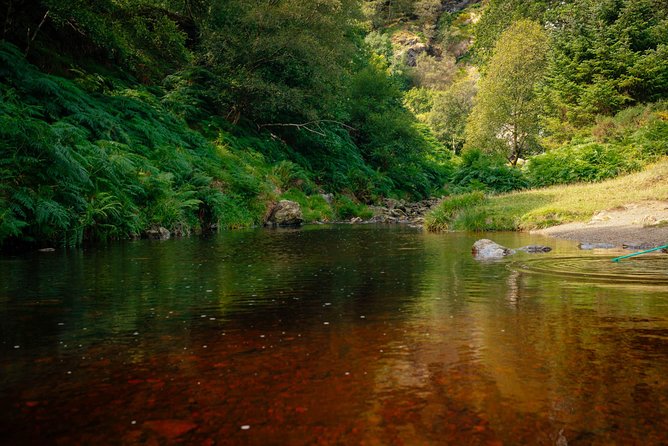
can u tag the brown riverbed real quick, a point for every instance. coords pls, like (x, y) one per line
(346, 335)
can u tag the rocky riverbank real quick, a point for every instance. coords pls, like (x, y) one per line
(400, 212)
(389, 211)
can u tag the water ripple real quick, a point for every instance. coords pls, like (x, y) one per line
(651, 270)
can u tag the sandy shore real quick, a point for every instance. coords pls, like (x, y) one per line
(638, 223)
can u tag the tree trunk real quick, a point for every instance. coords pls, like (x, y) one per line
(515, 155)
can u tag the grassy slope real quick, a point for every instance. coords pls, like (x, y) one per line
(551, 206)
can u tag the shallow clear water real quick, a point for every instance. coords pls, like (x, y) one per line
(333, 335)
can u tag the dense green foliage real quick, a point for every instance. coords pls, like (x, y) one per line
(479, 172)
(622, 144)
(499, 16)
(118, 116)
(606, 55)
(194, 115)
(81, 166)
(280, 62)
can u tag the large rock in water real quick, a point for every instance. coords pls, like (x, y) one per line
(486, 249)
(286, 213)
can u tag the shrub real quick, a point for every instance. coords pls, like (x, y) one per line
(445, 214)
(78, 166)
(617, 145)
(482, 172)
(345, 208)
(588, 162)
(286, 175)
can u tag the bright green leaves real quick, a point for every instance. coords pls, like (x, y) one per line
(280, 61)
(505, 115)
(76, 166)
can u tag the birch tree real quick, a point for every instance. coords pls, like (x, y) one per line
(505, 114)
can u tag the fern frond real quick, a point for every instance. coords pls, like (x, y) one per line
(51, 213)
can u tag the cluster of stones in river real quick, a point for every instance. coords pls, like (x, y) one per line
(486, 249)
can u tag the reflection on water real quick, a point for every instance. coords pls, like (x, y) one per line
(343, 335)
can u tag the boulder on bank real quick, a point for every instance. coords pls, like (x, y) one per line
(486, 249)
(286, 213)
(158, 234)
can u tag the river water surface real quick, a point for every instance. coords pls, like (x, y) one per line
(353, 335)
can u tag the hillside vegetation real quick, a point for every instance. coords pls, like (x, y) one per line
(118, 117)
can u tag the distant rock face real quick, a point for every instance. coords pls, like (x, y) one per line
(286, 213)
(158, 234)
(410, 47)
(413, 53)
(486, 249)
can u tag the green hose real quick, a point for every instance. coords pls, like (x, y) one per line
(617, 259)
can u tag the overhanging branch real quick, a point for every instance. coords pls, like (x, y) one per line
(311, 126)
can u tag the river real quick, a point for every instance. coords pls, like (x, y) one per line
(333, 335)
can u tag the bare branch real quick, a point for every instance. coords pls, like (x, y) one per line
(304, 126)
(34, 35)
(75, 27)
(8, 19)
(308, 126)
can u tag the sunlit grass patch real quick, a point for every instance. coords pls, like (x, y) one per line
(443, 217)
(541, 208)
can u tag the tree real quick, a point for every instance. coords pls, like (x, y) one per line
(449, 112)
(606, 55)
(499, 15)
(382, 12)
(505, 115)
(280, 61)
(146, 37)
(428, 12)
(434, 72)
